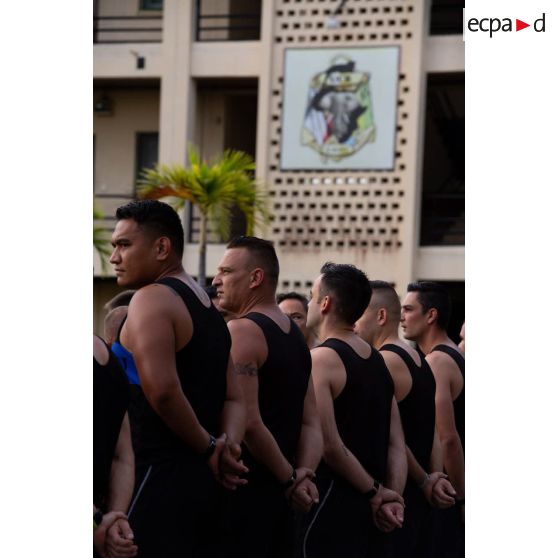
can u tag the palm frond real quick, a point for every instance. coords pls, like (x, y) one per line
(215, 188)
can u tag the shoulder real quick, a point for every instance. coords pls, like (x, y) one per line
(326, 360)
(241, 327)
(393, 361)
(440, 361)
(248, 341)
(152, 294)
(444, 368)
(154, 300)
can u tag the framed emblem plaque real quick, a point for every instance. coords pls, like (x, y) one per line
(339, 108)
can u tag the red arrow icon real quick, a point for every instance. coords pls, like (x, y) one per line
(519, 25)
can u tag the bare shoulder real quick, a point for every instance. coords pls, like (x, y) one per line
(248, 341)
(326, 361)
(446, 372)
(243, 326)
(397, 368)
(441, 363)
(395, 364)
(153, 296)
(393, 361)
(328, 370)
(158, 302)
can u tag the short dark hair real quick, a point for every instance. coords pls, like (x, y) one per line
(387, 298)
(158, 217)
(350, 287)
(262, 252)
(293, 296)
(433, 295)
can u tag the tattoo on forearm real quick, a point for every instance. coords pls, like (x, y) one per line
(246, 369)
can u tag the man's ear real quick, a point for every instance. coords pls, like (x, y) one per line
(381, 316)
(431, 316)
(325, 304)
(256, 277)
(163, 248)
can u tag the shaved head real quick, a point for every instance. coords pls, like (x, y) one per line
(384, 296)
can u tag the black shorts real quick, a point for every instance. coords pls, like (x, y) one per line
(174, 509)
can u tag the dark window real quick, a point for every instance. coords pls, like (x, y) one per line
(446, 17)
(151, 4)
(443, 177)
(228, 20)
(147, 151)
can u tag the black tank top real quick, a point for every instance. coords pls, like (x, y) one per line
(363, 408)
(202, 367)
(459, 402)
(110, 400)
(418, 408)
(282, 384)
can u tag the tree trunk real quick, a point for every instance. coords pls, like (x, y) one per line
(203, 243)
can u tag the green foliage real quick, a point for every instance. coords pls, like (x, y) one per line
(215, 188)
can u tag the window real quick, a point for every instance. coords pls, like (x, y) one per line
(151, 4)
(443, 177)
(147, 151)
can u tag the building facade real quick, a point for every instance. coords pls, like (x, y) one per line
(227, 74)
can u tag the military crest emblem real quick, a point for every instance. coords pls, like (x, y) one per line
(339, 119)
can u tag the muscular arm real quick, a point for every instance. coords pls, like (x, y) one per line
(311, 443)
(397, 458)
(121, 484)
(233, 417)
(453, 458)
(328, 374)
(150, 335)
(246, 354)
(436, 456)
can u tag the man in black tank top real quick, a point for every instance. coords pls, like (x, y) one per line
(355, 401)
(192, 417)
(113, 457)
(415, 389)
(283, 439)
(424, 318)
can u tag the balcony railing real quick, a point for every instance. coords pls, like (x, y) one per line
(127, 29)
(227, 23)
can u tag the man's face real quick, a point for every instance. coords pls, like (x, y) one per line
(233, 279)
(367, 325)
(295, 310)
(314, 317)
(413, 321)
(133, 255)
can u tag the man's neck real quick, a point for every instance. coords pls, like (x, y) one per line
(431, 337)
(171, 270)
(386, 336)
(336, 329)
(262, 302)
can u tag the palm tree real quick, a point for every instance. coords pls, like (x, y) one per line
(215, 189)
